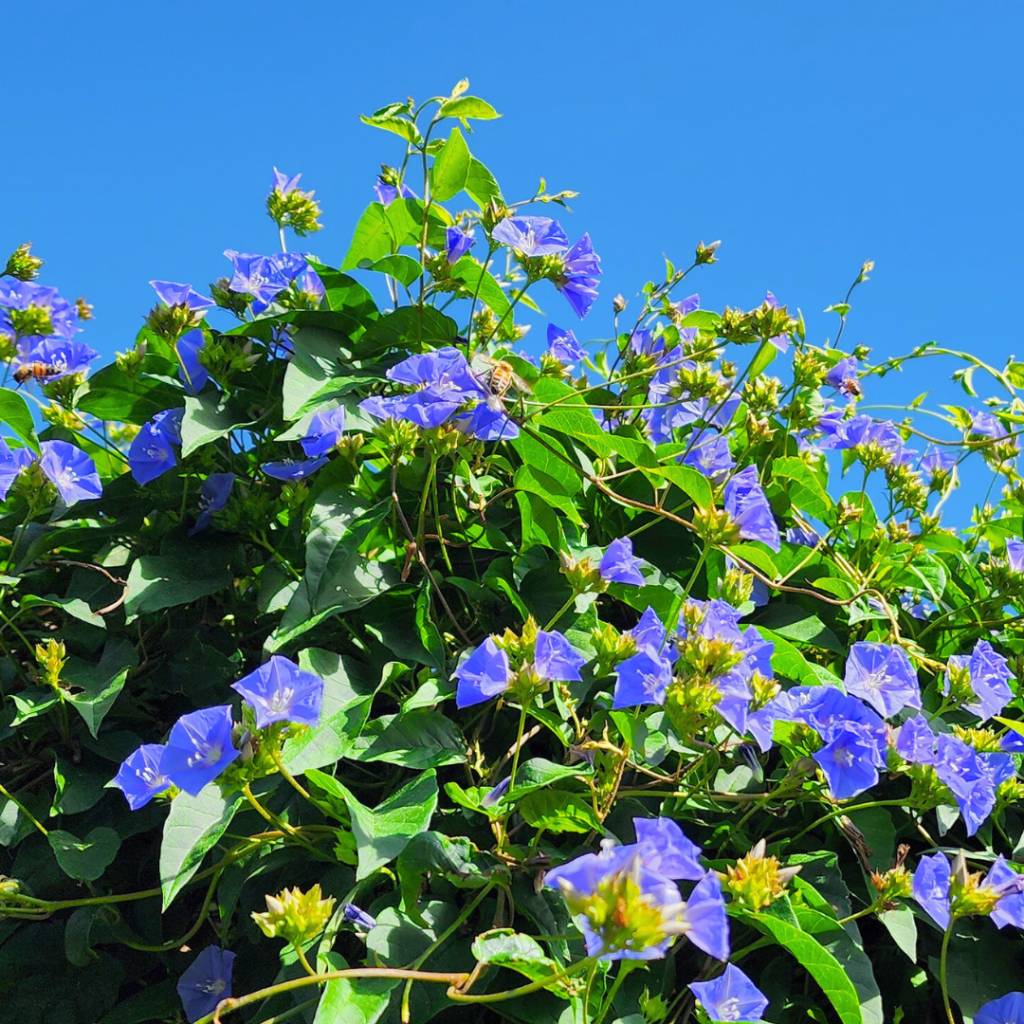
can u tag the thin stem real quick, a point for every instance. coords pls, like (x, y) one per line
(305, 963)
(519, 747)
(625, 966)
(289, 778)
(561, 611)
(515, 993)
(24, 810)
(942, 974)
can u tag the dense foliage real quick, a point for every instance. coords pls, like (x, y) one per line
(359, 667)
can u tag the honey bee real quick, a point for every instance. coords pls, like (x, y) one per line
(852, 388)
(36, 371)
(498, 376)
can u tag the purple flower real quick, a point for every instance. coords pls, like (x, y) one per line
(915, 741)
(151, 454)
(803, 536)
(706, 922)
(498, 793)
(310, 285)
(66, 357)
(989, 675)
(1015, 554)
(563, 345)
(984, 424)
(387, 194)
(290, 264)
(642, 679)
(293, 469)
(749, 510)
(12, 462)
(709, 454)
(970, 778)
(190, 369)
(554, 658)
(206, 982)
(1010, 908)
(483, 675)
(666, 850)
(258, 276)
(931, 888)
(731, 996)
(649, 635)
(22, 295)
(829, 711)
(579, 280)
(488, 422)
(531, 236)
(283, 184)
(213, 496)
(1007, 1010)
(71, 471)
(937, 464)
(139, 776)
(360, 918)
(861, 431)
(882, 675)
(199, 748)
(325, 430)
(687, 306)
(171, 293)
(620, 565)
(279, 691)
(457, 243)
(843, 377)
(846, 761)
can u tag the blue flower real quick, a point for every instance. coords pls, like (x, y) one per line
(483, 675)
(488, 422)
(199, 748)
(190, 369)
(970, 778)
(830, 712)
(918, 608)
(687, 305)
(666, 850)
(279, 691)
(642, 679)
(290, 264)
(803, 536)
(1007, 1010)
(931, 887)
(709, 454)
(1015, 554)
(861, 431)
(749, 510)
(730, 996)
(984, 424)
(258, 276)
(989, 676)
(71, 471)
(937, 464)
(706, 923)
(531, 236)
(882, 675)
(649, 635)
(780, 341)
(498, 793)
(206, 982)
(293, 469)
(360, 918)
(387, 194)
(579, 280)
(915, 741)
(21, 295)
(846, 763)
(1001, 878)
(284, 184)
(325, 430)
(457, 243)
(170, 293)
(554, 658)
(150, 454)
(66, 357)
(620, 565)
(139, 776)
(843, 377)
(564, 346)
(12, 462)
(213, 496)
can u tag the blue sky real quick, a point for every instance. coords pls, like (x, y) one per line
(808, 136)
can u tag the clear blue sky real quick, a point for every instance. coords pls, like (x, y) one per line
(808, 136)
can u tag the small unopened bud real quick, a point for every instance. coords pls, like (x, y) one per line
(51, 657)
(497, 794)
(706, 253)
(360, 918)
(295, 915)
(21, 264)
(618, 303)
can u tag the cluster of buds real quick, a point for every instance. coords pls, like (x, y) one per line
(295, 916)
(130, 362)
(809, 368)
(706, 253)
(906, 485)
(895, 883)
(756, 880)
(715, 526)
(58, 414)
(582, 575)
(290, 207)
(227, 356)
(759, 429)
(51, 657)
(611, 647)
(970, 895)
(234, 302)
(762, 394)
(171, 322)
(985, 741)
(21, 264)
(735, 586)
(30, 321)
(848, 511)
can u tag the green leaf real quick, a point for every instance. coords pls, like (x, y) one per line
(207, 417)
(504, 947)
(382, 833)
(146, 1006)
(763, 359)
(457, 859)
(407, 328)
(164, 581)
(804, 489)
(451, 167)
(694, 485)
(191, 830)
(94, 688)
(821, 964)
(480, 282)
(557, 811)
(401, 267)
(417, 739)
(354, 1000)
(902, 926)
(481, 184)
(110, 394)
(401, 126)
(343, 713)
(14, 411)
(796, 623)
(372, 239)
(469, 107)
(538, 773)
(85, 859)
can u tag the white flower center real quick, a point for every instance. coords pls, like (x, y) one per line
(729, 1010)
(281, 701)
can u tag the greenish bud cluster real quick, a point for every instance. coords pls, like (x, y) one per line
(171, 322)
(227, 356)
(234, 302)
(714, 526)
(129, 362)
(294, 915)
(582, 575)
(31, 321)
(985, 741)
(907, 486)
(611, 647)
(60, 416)
(736, 586)
(756, 880)
(51, 657)
(761, 394)
(296, 209)
(809, 368)
(706, 253)
(21, 264)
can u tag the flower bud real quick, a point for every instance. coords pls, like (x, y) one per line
(756, 880)
(294, 915)
(618, 303)
(51, 657)
(706, 253)
(21, 264)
